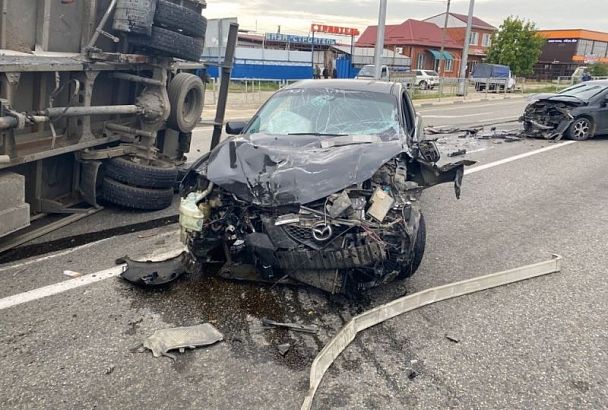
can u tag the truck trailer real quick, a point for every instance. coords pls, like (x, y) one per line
(98, 100)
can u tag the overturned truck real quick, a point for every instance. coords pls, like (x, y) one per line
(88, 85)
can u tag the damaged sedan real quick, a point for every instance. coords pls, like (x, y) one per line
(579, 112)
(320, 188)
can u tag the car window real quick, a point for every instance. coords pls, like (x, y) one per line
(328, 111)
(367, 71)
(432, 73)
(418, 72)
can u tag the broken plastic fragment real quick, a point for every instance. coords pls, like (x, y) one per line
(164, 340)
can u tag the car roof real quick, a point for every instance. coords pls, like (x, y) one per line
(384, 87)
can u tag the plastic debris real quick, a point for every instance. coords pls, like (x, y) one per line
(164, 340)
(283, 349)
(291, 326)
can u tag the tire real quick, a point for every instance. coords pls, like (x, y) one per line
(418, 252)
(180, 19)
(130, 171)
(423, 85)
(172, 44)
(134, 16)
(580, 129)
(186, 95)
(135, 198)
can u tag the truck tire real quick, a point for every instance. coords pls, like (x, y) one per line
(171, 44)
(181, 19)
(130, 171)
(135, 198)
(134, 16)
(187, 96)
(418, 253)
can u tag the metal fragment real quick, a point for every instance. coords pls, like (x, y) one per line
(411, 302)
(291, 326)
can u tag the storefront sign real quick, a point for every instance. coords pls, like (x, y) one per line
(287, 38)
(562, 40)
(340, 31)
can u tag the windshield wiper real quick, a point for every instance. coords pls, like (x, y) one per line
(317, 134)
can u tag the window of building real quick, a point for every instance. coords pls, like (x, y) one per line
(420, 60)
(599, 48)
(486, 40)
(584, 47)
(474, 38)
(449, 65)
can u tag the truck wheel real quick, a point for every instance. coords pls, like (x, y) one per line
(172, 44)
(180, 19)
(134, 16)
(186, 95)
(139, 173)
(136, 198)
(418, 253)
(581, 129)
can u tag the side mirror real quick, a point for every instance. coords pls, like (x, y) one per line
(235, 127)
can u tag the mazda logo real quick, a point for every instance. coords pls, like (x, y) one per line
(322, 232)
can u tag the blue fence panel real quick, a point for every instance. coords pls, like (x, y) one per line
(268, 72)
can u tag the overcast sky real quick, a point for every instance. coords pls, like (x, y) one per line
(295, 16)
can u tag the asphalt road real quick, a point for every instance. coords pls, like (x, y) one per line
(539, 344)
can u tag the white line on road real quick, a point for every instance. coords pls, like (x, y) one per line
(516, 157)
(61, 287)
(56, 288)
(464, 106)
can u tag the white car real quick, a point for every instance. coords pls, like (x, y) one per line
(424, 79)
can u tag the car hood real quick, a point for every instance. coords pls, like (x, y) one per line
(554, 97)
(270, 170)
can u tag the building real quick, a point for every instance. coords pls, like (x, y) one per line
(481, 34)
(565, 50)
(421, 41)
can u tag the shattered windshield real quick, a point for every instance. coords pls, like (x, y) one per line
(583, 91)
(328, 112)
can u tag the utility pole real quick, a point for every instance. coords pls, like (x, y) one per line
(465, 52)
(443, 33)
(379, 51)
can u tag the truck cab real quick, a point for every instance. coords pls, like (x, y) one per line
(368, 72)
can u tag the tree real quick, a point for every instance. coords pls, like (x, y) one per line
(598, 70)
(516, 44)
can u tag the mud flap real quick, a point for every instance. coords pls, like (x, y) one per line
(89, 172)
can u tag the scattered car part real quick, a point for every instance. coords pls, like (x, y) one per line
(140, 172)
(457, 153)
(134, 197)
(283, 348)
(165, 340)
(187, 96)
(381, 313)
(171, 43)
(291, 326)
(181, 19)
(149, 273)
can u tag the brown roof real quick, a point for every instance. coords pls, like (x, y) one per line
(477, 22)
(410, 32)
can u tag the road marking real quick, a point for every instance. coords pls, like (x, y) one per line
(56, 288)
(61, 287)
(516, 157)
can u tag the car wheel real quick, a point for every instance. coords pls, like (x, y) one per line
(418, 252)
(180, 19)
(142, 173)
(581, 129)
(172, 44)
(423, 85)
(186, 95)
(135, 198)
(134, 16)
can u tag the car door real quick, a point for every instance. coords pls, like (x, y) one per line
(601, 113)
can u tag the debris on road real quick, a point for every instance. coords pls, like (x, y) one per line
(283, 349)
(109, 370)
(291, 326)
(153, 273)
(72, 274)
(381, 313)
(164, 340)
(458, 153)
(452, 338)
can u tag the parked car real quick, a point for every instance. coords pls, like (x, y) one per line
(321, 188)
(579, 112)
(423, 79)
